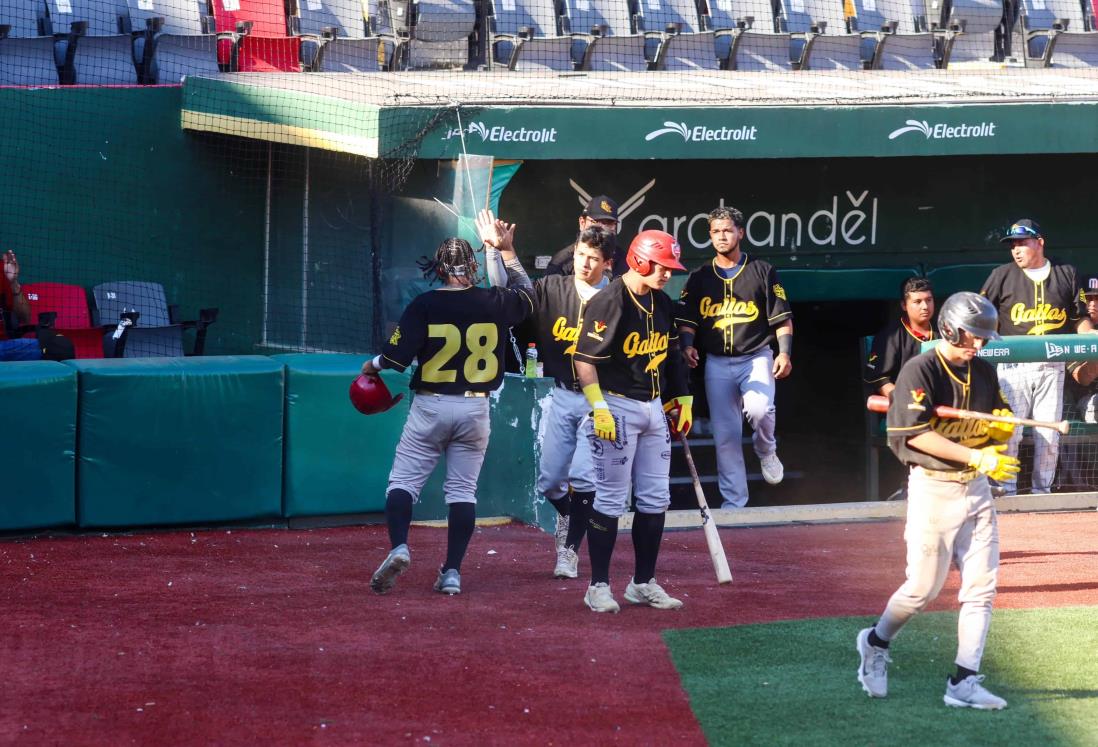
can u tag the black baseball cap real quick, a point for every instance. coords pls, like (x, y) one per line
(1023, 228)
(601, 207)
(1091, 287)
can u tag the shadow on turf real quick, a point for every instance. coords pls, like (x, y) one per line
(1055, 694)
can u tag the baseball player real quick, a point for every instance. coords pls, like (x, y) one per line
(628, 365)
(950, 512)
(730, 310)
(565, 475)
(600, 211)
(1035, 296)
(902, 339)
(456, 333)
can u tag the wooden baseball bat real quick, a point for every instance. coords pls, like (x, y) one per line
(712, 538)
(879, 403)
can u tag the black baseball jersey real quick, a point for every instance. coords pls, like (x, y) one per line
(457, 336)
(893, 346)
(929, 380)
(558, 312)
(1027, 307)
(562, 263)
(736, 315)
(633, 342)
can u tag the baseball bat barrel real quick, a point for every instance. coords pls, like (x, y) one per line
(879, 403)
(712, 538)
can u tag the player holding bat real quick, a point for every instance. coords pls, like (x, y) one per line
(950, 512)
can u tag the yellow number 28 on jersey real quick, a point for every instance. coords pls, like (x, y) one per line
(481, 365)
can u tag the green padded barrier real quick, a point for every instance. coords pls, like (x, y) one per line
(881, 283)
(37, 462)
(179, 440)
(1025, 349)
(337, 460)
(952, 278)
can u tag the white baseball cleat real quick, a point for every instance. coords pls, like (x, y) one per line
(567, 563)
(561, 532)
(873, 668)
(599, 599)
(970, 693)
(395, 563)
(772, 470)
(651, 594)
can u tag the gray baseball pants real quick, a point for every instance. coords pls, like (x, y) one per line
(562, 464)
(638, 459)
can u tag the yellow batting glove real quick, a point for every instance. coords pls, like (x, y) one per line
(600, 413)
(992, 462)
(680, 413)
(1000, 432)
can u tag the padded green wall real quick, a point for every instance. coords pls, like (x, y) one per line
(179, 440)
(38, 400)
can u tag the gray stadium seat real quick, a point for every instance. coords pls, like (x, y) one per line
(26, 45)
(525, 35)
(895, 35)
(153, 335)
(820, 35)
(971, 31)
(99, 49)
(612, 42)
(440, 35)
(178, 39)
(681, 43)
(1056, 34)
(750, 40)
(337, 40)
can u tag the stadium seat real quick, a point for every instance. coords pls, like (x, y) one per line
(173, 38)
(73, 320)
(1056, 35)
(260, 41)
(335, 38)
(821, 37)
(439, 33)
(156, 332)
(750, 40)
(897, 37)
(971, 32)
(526, 35)
(608, 38)
(26, 44)
(676, 29)
(98, 48)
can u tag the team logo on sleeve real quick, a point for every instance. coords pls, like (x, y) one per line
(917, 397)
(872, 362)
(597, 329)
(395, 337)
(779, 291)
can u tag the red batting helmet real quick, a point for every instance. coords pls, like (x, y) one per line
(653, 247)
(370, 396)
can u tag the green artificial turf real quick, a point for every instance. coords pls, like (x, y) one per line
(795, 682)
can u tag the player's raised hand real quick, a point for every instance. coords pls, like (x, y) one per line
(783, 366)
(11, 266)
(495, 233)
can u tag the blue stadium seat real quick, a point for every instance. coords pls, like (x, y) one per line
(752, 41)
(437, 31)
(1057, 35)
(676, 29)
(172, 39)
(156, 331)
(336, 38)
(971, 30)
(26, 44)
(821, 38)
(612, 42)
(526, 35)
(99, 47)
(896, 37)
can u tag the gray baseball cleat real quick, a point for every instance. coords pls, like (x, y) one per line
(970, 693)
(651, 594)
(599, 598)
(395, 563)
(449, 582)
(561, 532)
(873, 668)
(567, 563)
(772, 470)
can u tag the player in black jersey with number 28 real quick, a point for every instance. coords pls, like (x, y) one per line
(456, 332)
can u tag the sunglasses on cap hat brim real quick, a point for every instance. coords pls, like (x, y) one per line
(1020, 233)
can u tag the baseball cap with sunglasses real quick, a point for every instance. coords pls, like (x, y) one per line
(1021, 230)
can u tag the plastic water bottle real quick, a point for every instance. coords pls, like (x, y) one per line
(532, 360)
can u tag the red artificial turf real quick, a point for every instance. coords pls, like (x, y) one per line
(273, 636)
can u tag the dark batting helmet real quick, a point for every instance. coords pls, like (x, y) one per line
(370, 396)
(653, 247)
(971, 312)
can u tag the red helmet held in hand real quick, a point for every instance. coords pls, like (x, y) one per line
(370, 396)
(653, 247)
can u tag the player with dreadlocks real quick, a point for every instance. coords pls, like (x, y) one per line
(456, 332)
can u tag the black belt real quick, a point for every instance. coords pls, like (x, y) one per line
(574, 387)
(451, 394)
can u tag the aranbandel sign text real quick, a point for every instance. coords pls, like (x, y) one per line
(563, 132)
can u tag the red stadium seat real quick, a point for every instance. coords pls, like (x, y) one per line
(262, 42)
(70, 303)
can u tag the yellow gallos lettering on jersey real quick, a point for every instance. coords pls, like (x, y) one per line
(1043, 316)
(654, 345)
(728, 312)
(563, 333)
(966, 432)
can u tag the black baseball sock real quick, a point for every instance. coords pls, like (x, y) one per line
(577, 525)
(563, 505)
(961, 674)
(602, 532)
(875, 640)
(398, 515)
(647, 533)
(459, 530)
